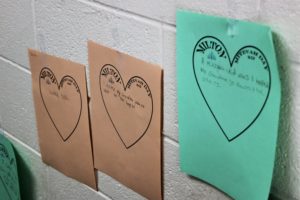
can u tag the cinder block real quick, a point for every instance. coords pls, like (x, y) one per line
(16, 30)
(145, 29)
(31, 171)
(155, 9)
(165, 10)
(16, 103)
(170, 84)
(67, 25)
(63, 187)
(283, 17)
(177, 185)
(116, 190)
(286, 178)
(286, 181)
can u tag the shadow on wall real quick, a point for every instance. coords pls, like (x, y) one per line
(281, 174)
(26, 180)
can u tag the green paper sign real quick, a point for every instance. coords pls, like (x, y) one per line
(9, 182)
(228, 103)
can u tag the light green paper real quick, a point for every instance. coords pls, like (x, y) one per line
(228, 113)
(9, 181)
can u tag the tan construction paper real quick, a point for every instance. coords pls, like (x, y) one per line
(126, 115)
(60, 98)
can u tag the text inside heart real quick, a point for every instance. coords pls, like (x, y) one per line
(62, 101)
(129, 107)
(235, 90)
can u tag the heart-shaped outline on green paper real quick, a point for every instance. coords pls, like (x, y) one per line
(231, 62)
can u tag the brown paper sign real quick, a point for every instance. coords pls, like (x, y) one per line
(126, 101)
(60, 97)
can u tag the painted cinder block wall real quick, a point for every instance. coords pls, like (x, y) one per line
(145, 29)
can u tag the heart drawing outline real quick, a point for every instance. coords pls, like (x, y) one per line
(60, 85)
(231, 63)
(124, 87)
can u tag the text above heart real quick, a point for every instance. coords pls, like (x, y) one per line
(128, 105)
(235, 90)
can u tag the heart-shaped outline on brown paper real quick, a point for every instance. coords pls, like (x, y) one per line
(124, 88)
(59, 86)
(231, 64)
